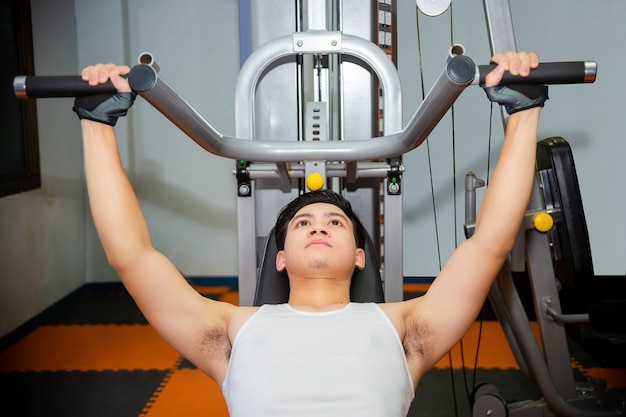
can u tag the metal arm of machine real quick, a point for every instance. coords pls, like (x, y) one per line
(459, 72)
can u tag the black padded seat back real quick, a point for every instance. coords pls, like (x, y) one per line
(273, 286)
(556, 154)
(581, 291)
(571, 250)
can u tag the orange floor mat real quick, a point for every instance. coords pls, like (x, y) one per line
(89, 347)
(172, 399)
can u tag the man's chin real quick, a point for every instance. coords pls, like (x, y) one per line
(318, 263)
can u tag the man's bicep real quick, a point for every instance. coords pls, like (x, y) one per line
(172, 306)
(457, 295)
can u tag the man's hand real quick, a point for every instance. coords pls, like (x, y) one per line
(515, 97)
(101, 73)
(105, 108)
(516, 63)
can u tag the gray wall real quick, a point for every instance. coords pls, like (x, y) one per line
(188, 196)
(588, 116)
(42, 257)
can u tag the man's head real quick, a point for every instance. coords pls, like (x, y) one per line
(321, 196)
(319, 235)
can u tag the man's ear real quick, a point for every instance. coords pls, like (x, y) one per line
(360, 258)
(280, 261)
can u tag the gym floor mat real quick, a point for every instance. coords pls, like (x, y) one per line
(93, 354)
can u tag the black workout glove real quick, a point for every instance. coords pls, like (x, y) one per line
(518, 97)
(104, 108)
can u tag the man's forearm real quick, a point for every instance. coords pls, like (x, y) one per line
(114, 206)
(509, 190)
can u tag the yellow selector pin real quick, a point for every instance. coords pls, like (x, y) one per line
(543, 222)
(315, 181)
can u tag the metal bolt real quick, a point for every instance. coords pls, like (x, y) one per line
(394, 187)
(244, 189)
(333, 42)
(300, 43)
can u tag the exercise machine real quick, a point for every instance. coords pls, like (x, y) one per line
(544, 241)
(320, 146)
(554, 232)
(287, 163)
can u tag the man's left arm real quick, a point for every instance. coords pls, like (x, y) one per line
(456, 296)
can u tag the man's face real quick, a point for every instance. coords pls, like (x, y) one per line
(320, 242)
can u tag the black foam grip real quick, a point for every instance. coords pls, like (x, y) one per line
(49, 86)
(549, 73)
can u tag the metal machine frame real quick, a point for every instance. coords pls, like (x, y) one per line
(285, 159)
(302, 74)
(264, 155)
(546, 361)
(261, 156)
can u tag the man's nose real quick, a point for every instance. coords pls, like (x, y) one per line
(319, 228)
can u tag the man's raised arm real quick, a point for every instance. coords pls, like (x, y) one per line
(456, 296)
(175, 309)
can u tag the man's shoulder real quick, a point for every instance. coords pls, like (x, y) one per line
(236, 317)
(400, 308)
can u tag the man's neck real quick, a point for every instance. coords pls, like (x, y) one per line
(318, 294)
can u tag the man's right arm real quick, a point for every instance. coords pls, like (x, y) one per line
(176, 310)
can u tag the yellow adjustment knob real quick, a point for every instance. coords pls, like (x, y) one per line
(315, 181)
(543, 222)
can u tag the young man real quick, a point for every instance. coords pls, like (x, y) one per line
(318, 355)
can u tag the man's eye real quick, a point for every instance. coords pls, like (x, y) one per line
(303, 222)
(335, 222)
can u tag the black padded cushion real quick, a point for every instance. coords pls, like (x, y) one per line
(575, 267)
(556, 154)
(273, 286)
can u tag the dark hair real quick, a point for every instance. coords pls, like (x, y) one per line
(320, 196)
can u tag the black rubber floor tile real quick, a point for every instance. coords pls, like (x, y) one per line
(98, 308)
(77, 394)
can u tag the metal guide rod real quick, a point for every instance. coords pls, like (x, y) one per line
(502, 40)
(365, 169)
(499, 26)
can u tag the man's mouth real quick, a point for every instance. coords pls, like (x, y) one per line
(315, 242)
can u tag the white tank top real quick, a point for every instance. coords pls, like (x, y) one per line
(348, 362)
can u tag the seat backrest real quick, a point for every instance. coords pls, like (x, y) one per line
(273, 286)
